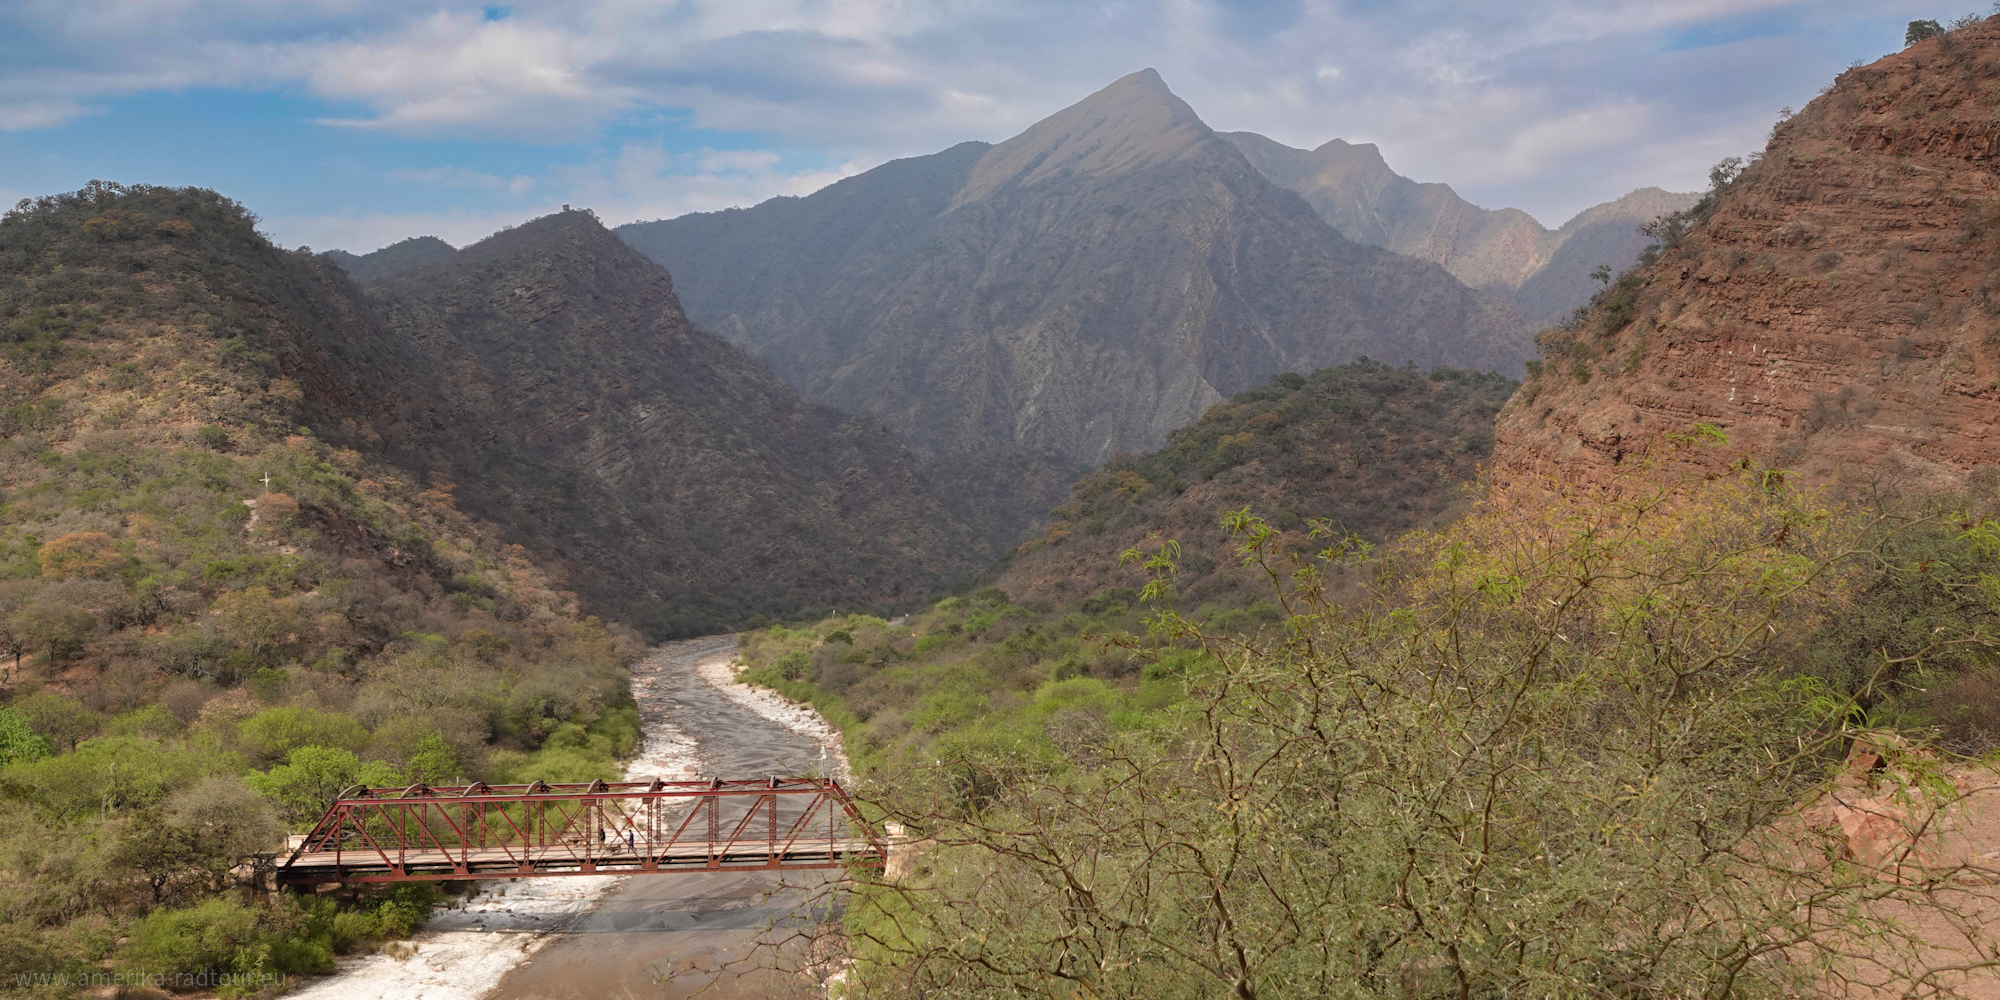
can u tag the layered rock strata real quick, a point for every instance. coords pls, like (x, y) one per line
(1835, 308)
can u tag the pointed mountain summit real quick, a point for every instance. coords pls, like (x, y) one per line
(1134, 124)
(1074, 292)
(1545, 273)
(549, 372)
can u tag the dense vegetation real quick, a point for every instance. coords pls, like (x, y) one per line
(1367, 448)
(1485, 759)
(1370, 448)
(212, 620)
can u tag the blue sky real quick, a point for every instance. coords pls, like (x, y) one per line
(354, 123)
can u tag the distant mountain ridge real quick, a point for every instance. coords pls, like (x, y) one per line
(1367, 448)
(391, 260)
(549, 371)
(1077, 291)
(1545, 273)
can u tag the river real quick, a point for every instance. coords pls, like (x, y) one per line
(660, 937)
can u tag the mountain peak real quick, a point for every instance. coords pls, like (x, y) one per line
(1134, 123)
(1357, 150)
(567, 228)
(1148, 79)
(394, 259)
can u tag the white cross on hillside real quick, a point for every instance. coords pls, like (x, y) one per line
(267, 482)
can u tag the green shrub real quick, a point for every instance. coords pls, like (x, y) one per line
(150, 721)
(113, 774)
(210, 936)
(312, 777)
(1561, 726)
(274, 733)
(19, 742)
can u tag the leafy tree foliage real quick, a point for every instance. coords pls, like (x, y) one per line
(1558, 749)
(312, 777)
(18, 740)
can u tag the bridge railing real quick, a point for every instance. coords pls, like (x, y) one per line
(427, 832)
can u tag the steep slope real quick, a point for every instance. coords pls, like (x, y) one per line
(1833, 306)
(1077, 291)
(393, 259)
(1371, 449)
(212, 620)
(682, 485)
(792, 257)
(1505, 251)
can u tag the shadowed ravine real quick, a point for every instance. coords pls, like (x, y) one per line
(681, 927)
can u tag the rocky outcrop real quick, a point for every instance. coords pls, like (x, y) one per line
(1832, 308)
(1077, 291)
(1545, 273)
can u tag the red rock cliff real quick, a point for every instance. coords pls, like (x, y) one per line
(1837, 306)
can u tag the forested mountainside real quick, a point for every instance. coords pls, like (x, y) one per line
(679, 484)
(1079, 290)
(1545, 273)
(212, 618)
(1362, 449)
(391, 260)
(1555, 664)
(1516, 672)
(1360, 452)
(1828, 306)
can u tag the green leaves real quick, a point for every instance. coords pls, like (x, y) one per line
(313, 777)
(1554, 729)
(17, 741)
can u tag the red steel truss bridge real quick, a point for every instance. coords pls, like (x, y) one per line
(427, 833)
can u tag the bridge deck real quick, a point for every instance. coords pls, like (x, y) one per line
(517, 862)
(519, 831)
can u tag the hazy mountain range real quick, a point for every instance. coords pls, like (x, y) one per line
(1015, 312)
(1545, 273)
(1076, 291)
(549, 371)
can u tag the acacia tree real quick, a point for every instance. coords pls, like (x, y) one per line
(193, 843)
(58, 628)
(1560, 754)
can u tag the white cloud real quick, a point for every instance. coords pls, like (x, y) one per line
(1549, 105)
(28, 113)
(454, 73)
(642, 181)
